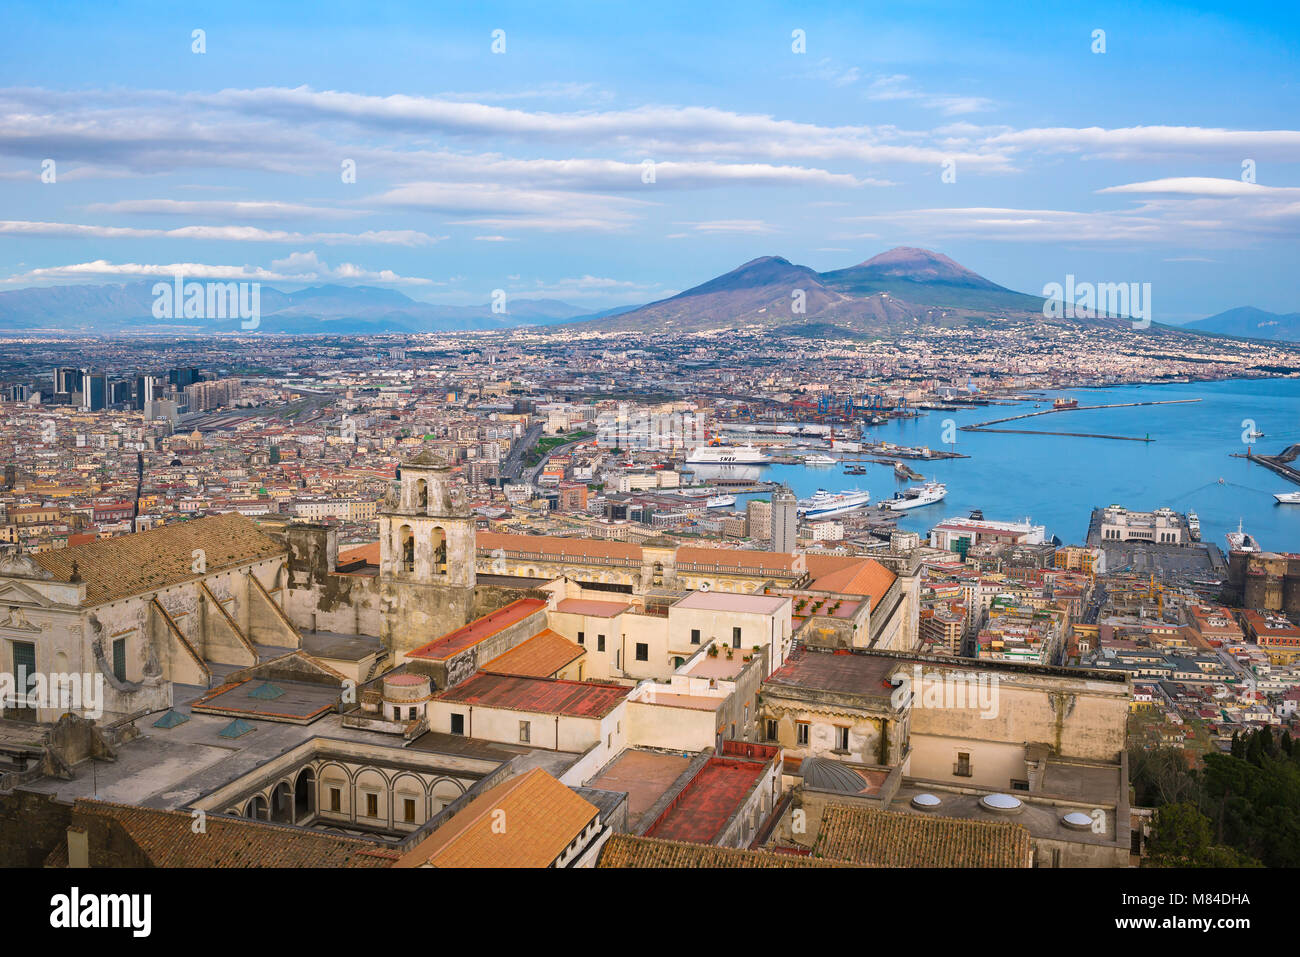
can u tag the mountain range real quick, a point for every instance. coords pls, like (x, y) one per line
(901, 289)
(330, 309)
(1247, 322)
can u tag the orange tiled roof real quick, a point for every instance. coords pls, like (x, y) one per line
(625, 850)
(864, 577)
(114, 568)
(167, 839)
(541, 656)
(560, 547)
(865, 835)
(541, 818)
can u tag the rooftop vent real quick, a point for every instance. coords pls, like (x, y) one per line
(1077, 821)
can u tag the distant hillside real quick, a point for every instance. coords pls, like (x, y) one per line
(892, 292)
(328, 309)
(1251, 323)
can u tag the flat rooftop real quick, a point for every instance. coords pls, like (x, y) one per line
(708, 801)
(718, 666)
(581, 699)
(829, 671)
(329, 644)
(591, 607)
(646, 776)
(720, 601)
(471, 634)
(298, 701)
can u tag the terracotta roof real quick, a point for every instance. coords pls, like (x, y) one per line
(114, 568)
(465, 636)
(359, 553)
(865, 835)
(560, 547)
(167, 839)
(624, 850)
(865, 577)
(582, 699)
(591, 607)
(541, 817)
(541, 656)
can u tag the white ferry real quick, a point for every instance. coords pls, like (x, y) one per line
(916, 497)
(824, 504)
(720, 501)
(727, 455)
(818, 460)
(1287, 498)
(1194, 526)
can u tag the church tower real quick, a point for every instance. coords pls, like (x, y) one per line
(426, 556)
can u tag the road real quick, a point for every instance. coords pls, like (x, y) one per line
(514, 462)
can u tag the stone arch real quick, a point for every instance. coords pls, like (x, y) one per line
(415, 790)
(442, 792)
(343, 781)
(282, 802)
(304, 794)
(438, 549)
(257, 808)
(373, 779)
(421, 494)
(405, 548)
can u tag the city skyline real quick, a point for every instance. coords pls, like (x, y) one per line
(578, 165)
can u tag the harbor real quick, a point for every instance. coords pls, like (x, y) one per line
(1070, 405)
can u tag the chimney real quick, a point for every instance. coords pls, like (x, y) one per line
(78, 847)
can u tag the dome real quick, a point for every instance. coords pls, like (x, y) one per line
(1077, 821)
(1001, 803)
(925, 802)
(826, 775)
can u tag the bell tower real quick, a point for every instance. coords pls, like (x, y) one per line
(426, 555)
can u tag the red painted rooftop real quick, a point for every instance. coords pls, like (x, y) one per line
(463, 637)
(582, 699)
(706, 804)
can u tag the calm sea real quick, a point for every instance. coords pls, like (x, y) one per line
(1057, 480)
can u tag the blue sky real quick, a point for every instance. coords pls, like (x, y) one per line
(524, 170)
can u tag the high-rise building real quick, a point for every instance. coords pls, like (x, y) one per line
(94, 390)
(785, 519)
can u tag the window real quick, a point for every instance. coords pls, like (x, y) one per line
(413, 713)
(457, 724)
(962, 768)
(600, 642)
(695, 636)
(771, 729)
(525, 731)
(735, 637)
(582, 637)
(801, 729)
(336, 799)
(642, 651)
(119, 659)
(842, 739)
(408, 810)
(1019, 785)
(372, 805)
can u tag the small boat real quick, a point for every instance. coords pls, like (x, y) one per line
(855, 470)
(902, 470)
(1254, 434)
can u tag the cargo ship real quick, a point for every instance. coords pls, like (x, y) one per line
(917, 497)
(727, 455)
(1065, 404)
(1240, 541)
(824, 504)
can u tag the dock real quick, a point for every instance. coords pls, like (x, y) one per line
(985, 426)
(1276, 463)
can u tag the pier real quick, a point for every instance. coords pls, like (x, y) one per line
(984, 426)
(1276, 463)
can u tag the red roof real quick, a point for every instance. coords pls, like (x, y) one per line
(581, 699)
(465, 636)
(706, 804)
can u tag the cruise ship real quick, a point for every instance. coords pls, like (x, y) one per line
(1194, 526)
(1287, 498)
(727, 455)
(1240, 541)
(824, 504)
(916, 497)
